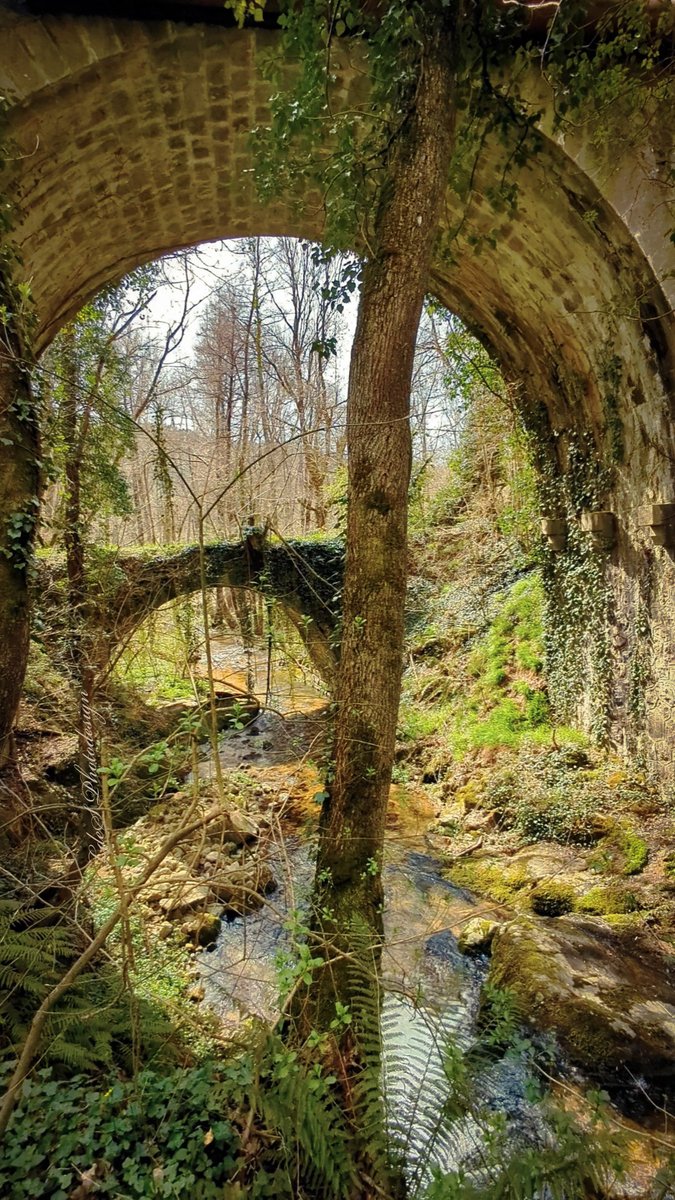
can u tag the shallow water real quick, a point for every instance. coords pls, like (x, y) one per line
(431, 991)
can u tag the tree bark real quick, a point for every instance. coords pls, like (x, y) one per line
(19, 506)
(348, 880)
(82, 643)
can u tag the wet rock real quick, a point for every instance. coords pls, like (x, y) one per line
(443, 945)
(476, 936)
(242, 888)
(202, 929)
(608, 994)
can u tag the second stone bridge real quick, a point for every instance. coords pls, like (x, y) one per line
(303, 577)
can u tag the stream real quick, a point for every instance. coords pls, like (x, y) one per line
(431, 990)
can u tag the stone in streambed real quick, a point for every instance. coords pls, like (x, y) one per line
(236, 826)
(242, 888)
(194, 895)
(607, 994)
(476, 936)
(202, 928)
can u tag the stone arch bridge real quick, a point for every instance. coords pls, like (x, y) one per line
(303, 578)
(130, 138)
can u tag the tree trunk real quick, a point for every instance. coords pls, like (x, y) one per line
(348, 881)
(81, 642)
(19, 506)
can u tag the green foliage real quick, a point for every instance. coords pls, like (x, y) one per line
(575, 1162)
(316, 141)
(491, 460)
(497, 696)
(563, 1158)
(561, 813)
(156, 1135)
(606, 77)
(551, 797)
(308, 1151)
(178, 1133)
(157, 658)
(576, 623)
(94, 1024)
(501, 707)
(634, 850)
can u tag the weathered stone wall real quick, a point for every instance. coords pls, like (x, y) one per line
(132, 139)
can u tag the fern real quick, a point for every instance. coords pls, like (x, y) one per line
(91, 1027)
(458, 1148)
(295, 1104)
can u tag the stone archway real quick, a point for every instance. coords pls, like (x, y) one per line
(131, 139)
(303, 578)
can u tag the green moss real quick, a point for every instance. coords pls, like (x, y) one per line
(610, 900)
(635, 851)
(632, 920)
(416, 723)
(499, 883)
(669, 865)
(552, 898)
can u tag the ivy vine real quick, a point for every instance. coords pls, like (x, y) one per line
(577, 593)
(17, 329)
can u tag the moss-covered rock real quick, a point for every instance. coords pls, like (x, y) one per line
(608, 994)
(546, 878)
(552, 898)
(608, 900)
(500, 881)
(635, 851)
(476, 936)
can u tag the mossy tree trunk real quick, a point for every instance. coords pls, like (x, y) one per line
(348, 881)
(19, 505)
(85, 655)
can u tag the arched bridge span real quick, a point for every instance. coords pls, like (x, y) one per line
(131, 138)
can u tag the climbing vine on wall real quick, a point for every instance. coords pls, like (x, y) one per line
(639, 671)
(17, 327)
(578, 596)
(604, 71)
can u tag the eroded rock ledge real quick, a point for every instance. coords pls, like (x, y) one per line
(607, 994)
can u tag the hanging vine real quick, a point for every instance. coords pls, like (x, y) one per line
(578, 597)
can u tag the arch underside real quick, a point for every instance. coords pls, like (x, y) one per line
(132, 139)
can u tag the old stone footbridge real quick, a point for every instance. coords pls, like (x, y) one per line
(303, 578)
(129, 137)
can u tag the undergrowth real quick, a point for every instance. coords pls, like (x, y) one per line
(257, 1124)
(488, 689)
(97, 1024)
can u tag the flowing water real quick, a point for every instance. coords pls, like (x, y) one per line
(431, 991)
